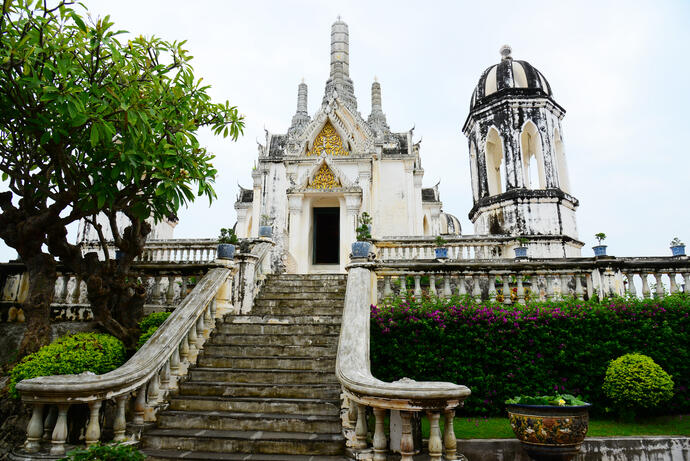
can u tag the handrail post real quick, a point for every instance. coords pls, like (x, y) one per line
(34, 430)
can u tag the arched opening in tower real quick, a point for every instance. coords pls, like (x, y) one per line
(494, 161)
(532, 157)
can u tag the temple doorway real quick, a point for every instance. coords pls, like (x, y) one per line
(327, 235)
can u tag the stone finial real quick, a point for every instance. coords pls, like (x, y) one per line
(340, 48)
(506, 51)
(302, 98)
(376, 97)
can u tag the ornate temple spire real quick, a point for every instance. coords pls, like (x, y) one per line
(377, 119)
(301, 117)
(339, 79)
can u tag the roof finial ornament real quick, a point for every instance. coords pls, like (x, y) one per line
(339, 19)
(505, 51)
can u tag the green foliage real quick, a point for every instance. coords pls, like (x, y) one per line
(600, 237)
(149, 325)
(560, 400)
(95, 352)
(676, 242)
(440, 241)
(522, 240)
(106, 453)
(635, 382)
(364, 228)
(502, 351)
(228, 236)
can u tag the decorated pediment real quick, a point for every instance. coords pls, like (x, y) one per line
(324, 179)
(328, 142)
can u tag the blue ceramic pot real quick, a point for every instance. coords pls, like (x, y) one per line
(226, 251)
(265, 231)
(441, 253)
(520, 252)
(360, 249)
(678, 250)
(599, 250)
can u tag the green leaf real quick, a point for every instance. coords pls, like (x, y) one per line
(79, 21)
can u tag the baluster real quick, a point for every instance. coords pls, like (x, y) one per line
(170, 293)
(213, 310)
(207, 320)
(579, 292)
(686, 282)
(565, 289)
(351, 413)
(120, 423)
(165, 376)
(183, 291)
(60, 431)
(672, 282)
(387, 291)
(62, 291)
(93, 429)
(590, 285)
(435, 444)
(462, 290)
(432, 284)
(645, 285)
(558, 288)
(193, 340)
(506, 289)
(549, 287)
(417, 286)
(140, 406)
(406, 440)
(476, 289)
(380, 441)
(156, 295)
(361, 428)
(631, 283)
(403, 287)
(76, 294)
(154, 388)
(184, 348)
(659, 292)
(449, 441)
(492, 287)
(49, 423)
(520, 290)
(200, 332)
(34, 431)
(175, 361)
(446, 286)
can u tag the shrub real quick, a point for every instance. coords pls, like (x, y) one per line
(635, 381)
(106, 453)
(95, 352)
(502, 351)
(149, 325)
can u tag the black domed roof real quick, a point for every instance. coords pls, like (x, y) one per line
(507, 75)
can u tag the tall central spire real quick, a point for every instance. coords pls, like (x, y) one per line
(339, 80)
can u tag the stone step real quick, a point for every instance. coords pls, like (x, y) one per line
(174, 455)
(265, 351)
(278, 362)
(227, 421)
(256, 405)
(262, 376)
(288, 315)
(328, 391)
(273, 340)
(297, 443)
(306, 277)
(299, 308)
(277, 329)
(308, 286)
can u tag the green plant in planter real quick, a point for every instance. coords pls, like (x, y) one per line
(228, 236)
(560, 400)
(600, 237)
(676, 242)
(635, 382)
(106, 453)
(266, 220)
(522, 241)
(440, 242)
(364, 228)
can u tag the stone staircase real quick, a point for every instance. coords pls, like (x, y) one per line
(264, 387)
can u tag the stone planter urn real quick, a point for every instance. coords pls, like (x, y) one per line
(548, 432)
(361, 249)
(678, 250)
(599, 250)
(265, 231)
(520, 252)
(441, 253)
(226, 251)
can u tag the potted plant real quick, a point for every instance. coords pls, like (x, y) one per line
(265, 229)
(549, 427)
(360, 248)
(226, 243)
(599, 250)
(677, 247)
(440, 250)
(521, 250)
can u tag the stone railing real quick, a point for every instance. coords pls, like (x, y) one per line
(172, 250)
(459, 248)
(146, 378)
(404, 396)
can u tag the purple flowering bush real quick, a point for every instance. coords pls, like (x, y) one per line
(500, 351)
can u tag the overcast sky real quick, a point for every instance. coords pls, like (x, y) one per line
(620, 69)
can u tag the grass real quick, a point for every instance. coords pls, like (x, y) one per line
(499, 428)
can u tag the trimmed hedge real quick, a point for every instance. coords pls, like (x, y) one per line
(105, 453)
(501, 351)
(95, 352)
(149, 325)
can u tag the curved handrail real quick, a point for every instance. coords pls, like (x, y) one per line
(141, 367)
(352, 362)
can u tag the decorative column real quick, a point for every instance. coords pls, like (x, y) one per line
(296, 239)
(256, 204)
(417, 228)
(353, 203)
(365, 184)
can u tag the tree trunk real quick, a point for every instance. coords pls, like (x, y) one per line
(42, 277)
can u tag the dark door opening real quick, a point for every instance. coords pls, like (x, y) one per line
(327, 235)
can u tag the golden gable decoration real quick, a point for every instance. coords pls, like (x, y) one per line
(328, 141)
(324, 179)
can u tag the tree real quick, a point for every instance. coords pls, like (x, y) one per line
(90, 125)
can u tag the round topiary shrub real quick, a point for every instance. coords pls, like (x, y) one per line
(106, 453)
(634, 382)
(95, 352)
(149, 325)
